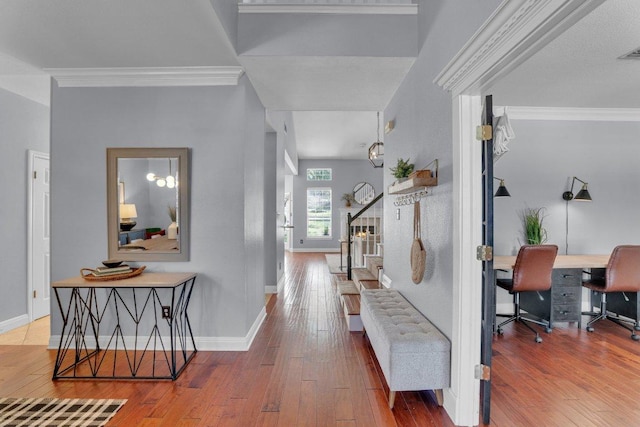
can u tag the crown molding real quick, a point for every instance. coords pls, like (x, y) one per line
(146, 76)
(569, 113)
(336, 9)
(514, 32)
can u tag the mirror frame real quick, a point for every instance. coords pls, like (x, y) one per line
(358, 187)
(113, 225)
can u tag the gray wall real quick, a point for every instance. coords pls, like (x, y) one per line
(346, 174)
(422, 112)
(224, 127)
(24, 125)
(326, 35)
(541, 161)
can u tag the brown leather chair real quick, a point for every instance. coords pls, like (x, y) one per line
(622, 275)
(531, 273)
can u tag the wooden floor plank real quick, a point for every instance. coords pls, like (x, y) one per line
(306, 368)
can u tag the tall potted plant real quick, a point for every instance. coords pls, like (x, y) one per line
(534, 232)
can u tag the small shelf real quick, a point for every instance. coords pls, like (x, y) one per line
(412, 185)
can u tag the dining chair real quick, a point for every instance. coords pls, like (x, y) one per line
(531, 273)
(621, 275)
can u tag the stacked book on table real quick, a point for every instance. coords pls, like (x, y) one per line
(109, 271)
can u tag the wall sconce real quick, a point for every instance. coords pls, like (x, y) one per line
(376, 151)
(127, 213)
(502, 190)
(583, 195)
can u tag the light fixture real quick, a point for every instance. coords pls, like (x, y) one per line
(169, 181)
(127, 213)
(583, 195)
(376, 151)
(502, 190)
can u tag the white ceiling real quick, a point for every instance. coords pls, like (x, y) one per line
(581, 68)
(335, 99)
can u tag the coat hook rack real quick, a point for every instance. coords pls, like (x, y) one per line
(416, 186)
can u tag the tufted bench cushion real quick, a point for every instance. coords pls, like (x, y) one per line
(413, 354)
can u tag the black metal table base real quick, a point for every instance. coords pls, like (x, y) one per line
(160, 343)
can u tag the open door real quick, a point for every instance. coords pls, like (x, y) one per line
(485, 254)
(39, 254)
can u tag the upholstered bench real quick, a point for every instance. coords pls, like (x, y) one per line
(413, 354)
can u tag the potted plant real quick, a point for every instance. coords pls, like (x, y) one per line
(402, 170)
(534, 232)
(348, 199)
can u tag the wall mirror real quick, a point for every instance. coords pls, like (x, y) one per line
(364, 193)
(148, 204)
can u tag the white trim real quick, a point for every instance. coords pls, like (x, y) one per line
(513, 33)
(13, 323)
(32, 155)
(146, 76)
(202, 343)
(461, 400)
(336, 9)
(324, 250)
(274, 289)
(570, 113)
(386, 281)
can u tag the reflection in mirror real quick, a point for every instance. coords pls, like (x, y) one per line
(364, 193)
(147, 202)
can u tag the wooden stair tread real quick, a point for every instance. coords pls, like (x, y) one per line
(351, 304)
(370, 284)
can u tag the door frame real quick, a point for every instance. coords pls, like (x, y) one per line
(513, 33)
(32, 155)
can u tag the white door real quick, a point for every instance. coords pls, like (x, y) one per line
(39, 254)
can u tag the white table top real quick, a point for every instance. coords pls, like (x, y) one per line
(506, 262)
(144, 280)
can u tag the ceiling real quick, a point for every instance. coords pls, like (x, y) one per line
(581, 68)
(335, 99)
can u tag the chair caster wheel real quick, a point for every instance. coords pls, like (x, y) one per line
(636, 327)
(548, 330)
(635, 337)
(538, 340)
(500, 331)
(590, 329)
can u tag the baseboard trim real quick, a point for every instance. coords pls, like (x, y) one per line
(202, 343)
(13, 323)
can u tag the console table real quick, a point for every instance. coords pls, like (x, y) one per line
(135, 328)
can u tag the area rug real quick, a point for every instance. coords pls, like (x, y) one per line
(333, 260)
(16, 412)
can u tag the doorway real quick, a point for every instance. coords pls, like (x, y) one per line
(38, 259)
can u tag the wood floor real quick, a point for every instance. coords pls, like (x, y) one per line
(305, 368)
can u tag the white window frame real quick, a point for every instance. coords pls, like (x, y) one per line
(320, 169)
(330, 190)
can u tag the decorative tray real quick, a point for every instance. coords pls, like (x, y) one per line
(87, 274)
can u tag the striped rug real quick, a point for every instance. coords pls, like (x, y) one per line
(16, 412)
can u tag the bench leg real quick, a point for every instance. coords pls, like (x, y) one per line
(439, 396)
(392, 398)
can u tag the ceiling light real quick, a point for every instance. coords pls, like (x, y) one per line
(376, 151)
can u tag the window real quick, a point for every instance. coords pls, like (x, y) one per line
(318, 212)
(323, 174)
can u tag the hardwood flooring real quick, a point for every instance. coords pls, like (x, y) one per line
(305, 368)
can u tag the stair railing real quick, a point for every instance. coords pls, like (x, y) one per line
(350, 220)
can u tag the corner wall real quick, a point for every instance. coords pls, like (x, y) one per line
(224, 128)
(346, 174)
(24, 125)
